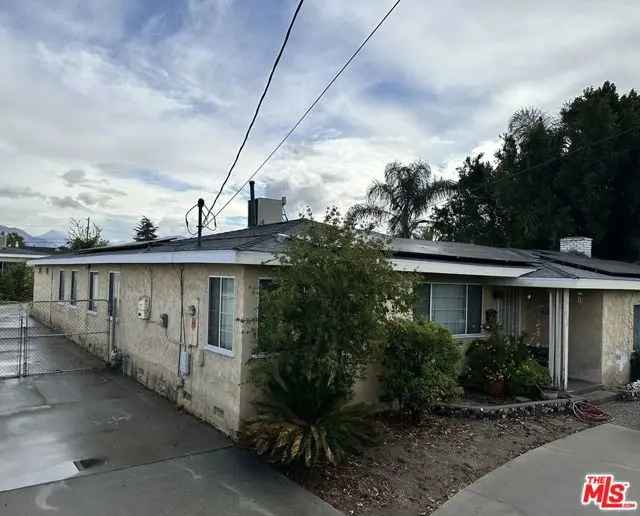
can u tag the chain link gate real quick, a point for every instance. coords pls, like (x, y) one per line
(51, 336)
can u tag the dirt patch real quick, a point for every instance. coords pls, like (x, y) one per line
(417, 468)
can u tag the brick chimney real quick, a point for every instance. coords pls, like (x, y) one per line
(576, 245)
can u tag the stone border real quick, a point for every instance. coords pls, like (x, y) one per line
(529, 408)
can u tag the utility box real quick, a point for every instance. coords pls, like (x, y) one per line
(144, 308)
(185, 363)
(265, 211)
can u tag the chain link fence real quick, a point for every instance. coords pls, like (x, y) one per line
(51, 336)
(11, 338)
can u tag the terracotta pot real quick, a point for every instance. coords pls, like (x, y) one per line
(496, 389)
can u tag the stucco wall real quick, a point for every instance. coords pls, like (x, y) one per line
(213, 389)
(585, 335)
(617, 346)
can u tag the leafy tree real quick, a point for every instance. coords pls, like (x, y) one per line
(16, 283)
(84, 236)
(334, 292)
(145, 230)
(473, 213)
(575, 174)
(402, 199)
(15, 240)
(319, 328)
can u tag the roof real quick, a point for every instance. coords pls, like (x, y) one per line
(257, 244)
(24, 252)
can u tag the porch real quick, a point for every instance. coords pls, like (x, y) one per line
(563, 326)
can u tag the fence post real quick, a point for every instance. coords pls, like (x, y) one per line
(20, 346)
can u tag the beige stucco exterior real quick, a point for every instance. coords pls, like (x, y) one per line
(218, 387)
(617, 335)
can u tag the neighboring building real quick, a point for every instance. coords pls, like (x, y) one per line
(9, 255)
(180, 307)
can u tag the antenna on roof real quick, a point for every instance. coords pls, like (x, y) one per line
(200, 206)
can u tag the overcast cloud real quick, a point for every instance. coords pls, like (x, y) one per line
(121, 109)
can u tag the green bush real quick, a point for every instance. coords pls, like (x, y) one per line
(304, 422)
(503, 358)
(527, 378)
(420, 366)
(16, 283)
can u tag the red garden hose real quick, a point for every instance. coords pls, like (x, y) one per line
(589, 413)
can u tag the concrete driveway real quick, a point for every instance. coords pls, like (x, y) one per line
(548, 480)
(97, 443)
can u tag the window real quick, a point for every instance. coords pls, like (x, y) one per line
(456, 307)
(61, 286)
(93, 291)
(73, 298)
(222, 305)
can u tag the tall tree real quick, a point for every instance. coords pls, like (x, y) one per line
(472, 214)
(145, 230)
(14, 240)
(577, 174)
(403, 199)
(84, 235)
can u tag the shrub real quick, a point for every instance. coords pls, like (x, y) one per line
(504, 358)
(334, 292)
(304, 422)
(420, 362)
(527, 378)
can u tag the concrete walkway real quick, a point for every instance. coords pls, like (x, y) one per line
(548, 480)
(95, 443)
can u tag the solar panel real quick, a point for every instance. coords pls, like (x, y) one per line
(459, 250)
(610, 267)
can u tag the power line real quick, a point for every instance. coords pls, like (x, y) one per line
(255, 114)
(310, 108)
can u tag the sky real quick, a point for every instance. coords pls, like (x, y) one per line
(118, 109)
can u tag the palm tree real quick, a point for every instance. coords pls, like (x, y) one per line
(402, 200)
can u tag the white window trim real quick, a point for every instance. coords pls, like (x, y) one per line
(109, 273)
(210, 347)
(459, 336)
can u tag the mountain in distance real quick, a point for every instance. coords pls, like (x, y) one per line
(51, 238)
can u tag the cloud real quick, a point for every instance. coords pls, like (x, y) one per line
(161, 93)
(65, 202)
(93, 200)
(75, 177)
(146, 177)
(20, 193)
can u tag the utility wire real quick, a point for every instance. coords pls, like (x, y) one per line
(310, 108)
(255, 114)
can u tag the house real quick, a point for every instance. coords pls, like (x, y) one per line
(9, 255)
(177, 308)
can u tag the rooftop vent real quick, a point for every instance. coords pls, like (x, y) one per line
(262, 210)
(576, 245)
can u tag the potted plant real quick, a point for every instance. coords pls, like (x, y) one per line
(496, 384)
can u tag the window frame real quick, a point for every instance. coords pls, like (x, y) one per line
(61, 285)
(92, 307)
(217, 348)
(73, 289)
(466, 306)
